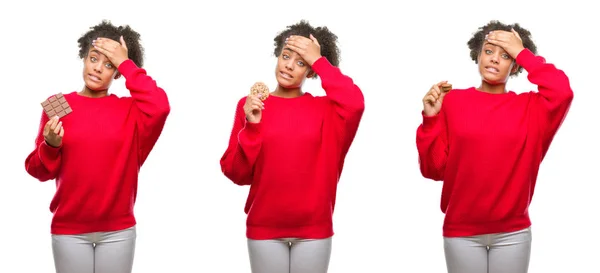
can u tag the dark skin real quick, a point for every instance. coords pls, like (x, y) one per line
(293, 67)
(100, 68)
(109, 52)
(500, 50)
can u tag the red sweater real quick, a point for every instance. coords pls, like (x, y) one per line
(487, 148)
(294, 157)
(106, 142)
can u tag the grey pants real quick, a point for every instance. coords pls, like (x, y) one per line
(490, 253)
(289, 255)
(97, 252)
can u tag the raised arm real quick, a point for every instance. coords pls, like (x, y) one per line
(344, 96)
(554, 96)
(151, 103)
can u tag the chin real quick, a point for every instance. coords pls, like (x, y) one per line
(95, 87)
(287, 84)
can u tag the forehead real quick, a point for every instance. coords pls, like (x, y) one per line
(95, 52)
(289, 51)
(491, 46)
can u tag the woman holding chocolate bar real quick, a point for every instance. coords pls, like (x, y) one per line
(94, 153)
(486, 144)
(289, 147)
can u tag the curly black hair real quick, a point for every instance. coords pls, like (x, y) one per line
(135, 50)
(327, 40)
(476, 42)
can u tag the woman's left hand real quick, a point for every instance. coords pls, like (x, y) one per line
(116, 52)
(308, 49)
(510, 41)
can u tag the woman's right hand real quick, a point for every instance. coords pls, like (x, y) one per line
(432, 102)
(54, 132)
(253, 109)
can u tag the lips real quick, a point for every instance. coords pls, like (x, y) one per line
(285, 75)
(492, 69)
(94, 78)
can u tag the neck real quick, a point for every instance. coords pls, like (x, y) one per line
(283, 92)
(86, 92)
(492, 88)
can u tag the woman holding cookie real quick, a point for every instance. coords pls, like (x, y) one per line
(94, 152)
(486, 144)
(289, 147)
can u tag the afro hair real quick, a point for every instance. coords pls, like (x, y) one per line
(327, 40)
(476, 42)
(106, 29)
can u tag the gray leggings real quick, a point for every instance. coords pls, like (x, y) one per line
(97, 252)
(289, 255)
(490, 253)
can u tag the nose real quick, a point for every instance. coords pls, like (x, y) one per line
(495, 57)
(289, 65)
(98, 67)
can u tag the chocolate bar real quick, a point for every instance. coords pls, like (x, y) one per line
(56, 105)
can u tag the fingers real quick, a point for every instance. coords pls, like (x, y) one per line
(300, 39)
(296, 46)
(51, 124)
(441, 83)
(123, 42)
(435, 93)
(105, 46)
(429, 99)
(299, 42)
(515, 33)
(314, 40)
(256, 103)
(61, 134)
(57, 128)
(253, 103)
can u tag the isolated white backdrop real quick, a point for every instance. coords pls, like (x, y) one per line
(387, 219)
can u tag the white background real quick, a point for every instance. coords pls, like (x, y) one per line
(387, 219)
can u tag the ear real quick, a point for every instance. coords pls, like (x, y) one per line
(117, 75)
(311, 74)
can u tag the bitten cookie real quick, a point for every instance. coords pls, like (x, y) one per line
(260, 89)
(446, 87)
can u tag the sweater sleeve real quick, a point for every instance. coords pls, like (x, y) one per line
(44, 161)
(151, 103)
(345, 97)
(432, 146)
(237, 163)
(554, 95)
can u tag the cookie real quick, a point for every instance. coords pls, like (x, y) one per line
(260, 89)
(446, 87)
(56, 105)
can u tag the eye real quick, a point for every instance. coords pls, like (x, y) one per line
(487, 51)
(93, 59)
(300, 63)
(285, 56)
(505, 56)
(109, 65)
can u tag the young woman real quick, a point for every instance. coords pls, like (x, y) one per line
(95, 153)
(290, 149)
(486, 144)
